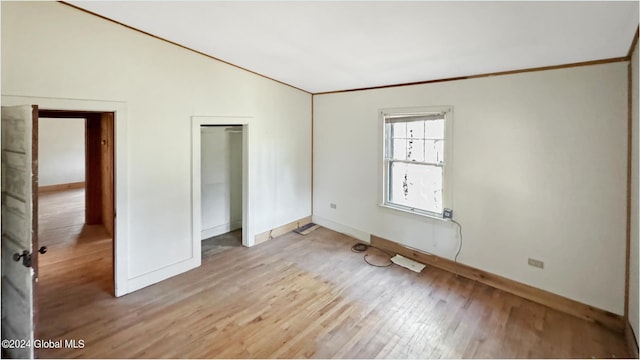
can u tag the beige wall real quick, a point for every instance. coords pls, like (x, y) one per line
(51, 50)
(539, 171)
(60, 151)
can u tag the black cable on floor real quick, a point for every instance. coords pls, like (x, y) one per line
(359, 247)
(455, 259)
(376, 265)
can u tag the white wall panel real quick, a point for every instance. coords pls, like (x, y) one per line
(163, 86)
(539, 171)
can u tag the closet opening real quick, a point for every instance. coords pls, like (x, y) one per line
(221, 186)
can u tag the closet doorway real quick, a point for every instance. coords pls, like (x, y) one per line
(221, 168)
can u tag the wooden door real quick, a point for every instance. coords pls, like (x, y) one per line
(106, 170)
(19, 227)
(93, 168)
(99, 169)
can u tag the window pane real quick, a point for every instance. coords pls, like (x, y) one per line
(399, 130)
(434, 151)
(399, 149)
(415, 150)
(416, 186)
(434, 129)
(415, 130)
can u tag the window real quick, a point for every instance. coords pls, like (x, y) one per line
(416, 159)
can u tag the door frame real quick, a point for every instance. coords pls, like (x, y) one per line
(197, 122)
(120, 233)
(98, 132)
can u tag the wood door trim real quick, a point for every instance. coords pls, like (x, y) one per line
(106, 170)
(631, 340)
(69, 114)
(34, 216)
(34, 190)
(93, 169)
(629, 183)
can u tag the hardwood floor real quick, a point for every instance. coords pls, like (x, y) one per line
(216, 244)
(296, 297)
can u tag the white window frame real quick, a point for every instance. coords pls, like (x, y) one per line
(447, 166)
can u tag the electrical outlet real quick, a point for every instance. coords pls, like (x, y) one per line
(332, 205)
(447, 213)
(536, 263)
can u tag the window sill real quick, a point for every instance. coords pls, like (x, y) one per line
(419, 215)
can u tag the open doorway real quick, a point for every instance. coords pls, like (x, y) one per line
(76, 214)
(221, 187)
(99, 140)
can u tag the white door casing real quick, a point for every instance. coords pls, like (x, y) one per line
(121, 239)
(248, 237)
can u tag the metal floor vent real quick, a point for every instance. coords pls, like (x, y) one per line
(305, 229)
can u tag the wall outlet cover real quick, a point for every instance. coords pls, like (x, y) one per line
(536, 263)
(447, 213)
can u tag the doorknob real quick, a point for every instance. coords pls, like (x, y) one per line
(26, 257)
(17, 256)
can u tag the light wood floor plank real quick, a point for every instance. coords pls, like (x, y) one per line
(291, 297)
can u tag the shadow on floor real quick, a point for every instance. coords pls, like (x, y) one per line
(220, 243)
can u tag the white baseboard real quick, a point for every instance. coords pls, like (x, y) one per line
(164, 273)
(348, 230)
(221, 229)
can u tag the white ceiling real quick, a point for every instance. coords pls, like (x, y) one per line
(335, 45)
